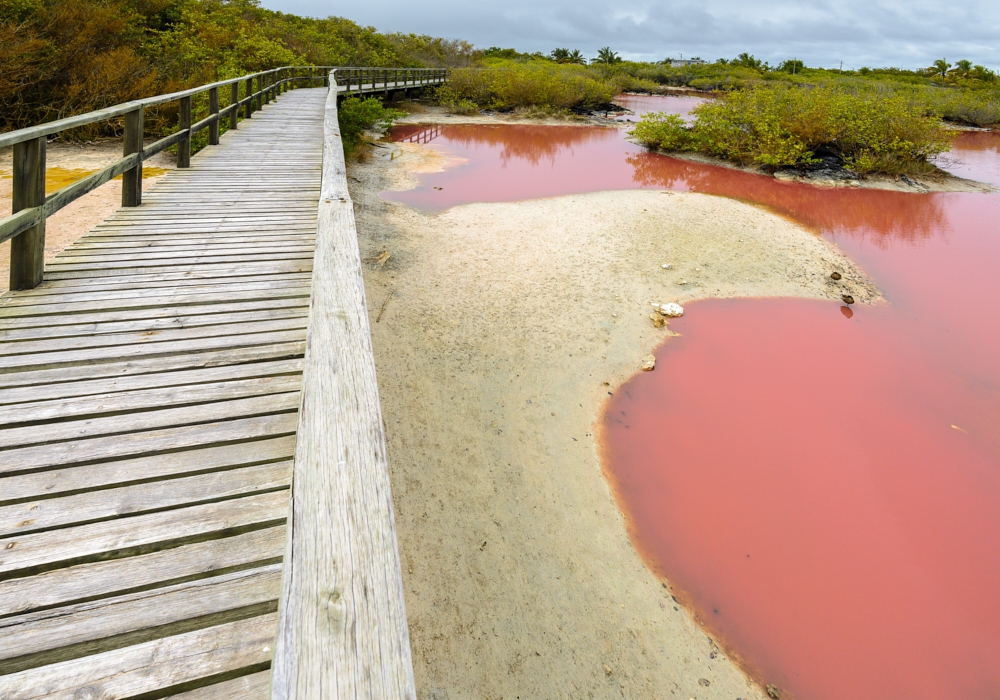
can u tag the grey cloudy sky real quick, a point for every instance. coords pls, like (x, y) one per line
(907, 33)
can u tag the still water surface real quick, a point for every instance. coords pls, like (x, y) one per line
(820, 483)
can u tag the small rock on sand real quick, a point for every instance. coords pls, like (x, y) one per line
(673, 310)
(648, 363)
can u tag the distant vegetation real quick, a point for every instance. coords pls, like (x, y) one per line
(777, 125)
(65, 57)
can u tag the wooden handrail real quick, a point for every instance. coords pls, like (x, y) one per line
(342, 629)
(26, 225)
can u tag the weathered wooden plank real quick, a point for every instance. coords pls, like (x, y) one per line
(54, 482)
(46, 513)
(107, 340)
(49, 455)
(148, 325)
(77, 544)
(31, 633)
(187, 360)
(115, 576)
(147, 667)
(30, 396)
(256, 686)
(342, 623)
(20, 363)
(139, 421)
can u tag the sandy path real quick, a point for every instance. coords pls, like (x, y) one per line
(76, 219)
(505, 328)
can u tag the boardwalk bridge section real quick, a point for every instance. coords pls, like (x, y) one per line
(194, 498)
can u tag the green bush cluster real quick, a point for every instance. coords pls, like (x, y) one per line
(777, 126)
(356, 116)
(65, 57)
(506, 84)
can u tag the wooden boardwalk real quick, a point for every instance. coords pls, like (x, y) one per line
(149, 395)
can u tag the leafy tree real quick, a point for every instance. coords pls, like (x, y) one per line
(745, 60)
(607, 57)
(559, 55)
(940, 67)
(791, 66)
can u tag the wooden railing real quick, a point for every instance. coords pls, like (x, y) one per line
(26, 227)
(342, 629)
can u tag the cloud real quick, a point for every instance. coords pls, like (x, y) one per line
(903, 33)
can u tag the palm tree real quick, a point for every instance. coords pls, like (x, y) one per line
(576, 57)
(607, 57)
(559, 55)
(941, 67)
(963, 68)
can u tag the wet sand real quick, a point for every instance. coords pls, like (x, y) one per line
(499, 331)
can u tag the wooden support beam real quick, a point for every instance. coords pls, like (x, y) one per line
(213, 108)
(234, 99)
(132, 178)
(27, 251)
(249, 107)
(184, 123)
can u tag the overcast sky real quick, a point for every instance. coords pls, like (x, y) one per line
(907, 33)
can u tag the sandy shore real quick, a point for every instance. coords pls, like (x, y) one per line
(499, 330)
(66, 162)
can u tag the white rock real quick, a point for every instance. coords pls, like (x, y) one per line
(666, 266)
(648, 363)
(672, 310)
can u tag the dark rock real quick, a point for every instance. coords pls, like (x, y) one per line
(835, 276)
(848, 299)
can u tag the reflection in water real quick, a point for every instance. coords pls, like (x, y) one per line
(532, 144)
(874, 214)
(642, 104)
(820, 483)
(974, 155)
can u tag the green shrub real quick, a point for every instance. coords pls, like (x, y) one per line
(776, 126)
(505, 84)
(356, 116)
(666, 131)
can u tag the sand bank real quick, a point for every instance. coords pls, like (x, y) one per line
(499, 331)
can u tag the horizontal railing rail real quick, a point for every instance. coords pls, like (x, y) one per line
(25, 228)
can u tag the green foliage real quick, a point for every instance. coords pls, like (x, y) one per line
(64, 57)
(666, 131)
(506, 84)
(356, 116)
(607, 57)
(567, 56)
(777, 126)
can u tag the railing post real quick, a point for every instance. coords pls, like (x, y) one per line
(326, 77)
(234, 98)
(213, 108)
(132, 178)
(184, 122)
(248, 109)
(27, 249)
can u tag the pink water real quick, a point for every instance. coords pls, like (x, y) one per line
(820, 484)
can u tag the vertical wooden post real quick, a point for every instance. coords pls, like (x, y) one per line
(132, 178)
(27, 249)
(184, 122)
(213, 108)
(326, 77)
(234, 98)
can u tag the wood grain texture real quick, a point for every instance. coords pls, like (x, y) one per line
(342, 629)
(149, 390)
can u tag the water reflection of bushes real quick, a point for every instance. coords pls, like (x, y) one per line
(513, 142)
(878, 215)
